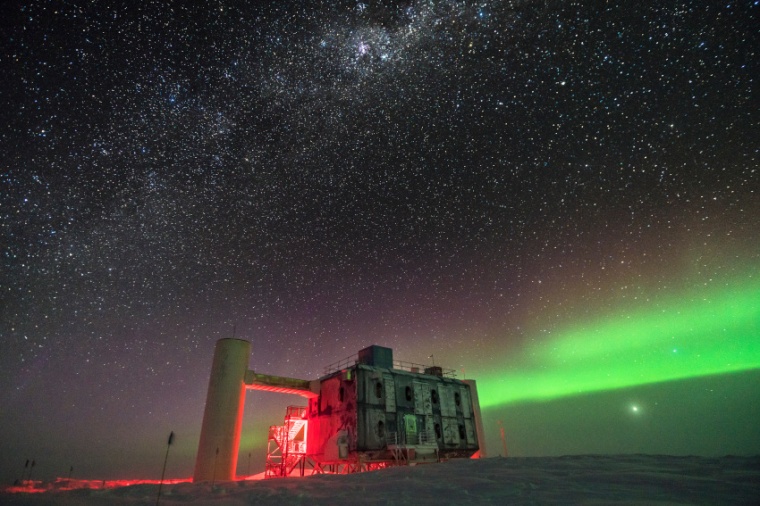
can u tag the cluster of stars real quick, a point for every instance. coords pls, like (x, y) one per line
(326, 175)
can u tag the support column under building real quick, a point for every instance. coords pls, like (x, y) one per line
(223, 415)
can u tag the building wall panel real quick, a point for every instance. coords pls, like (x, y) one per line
(450, 431)
(404, 392)
(469, 426)
(330, 413)
(448, 405)
(372, 429)
(466, 401)
(390, 393)
(422, 398)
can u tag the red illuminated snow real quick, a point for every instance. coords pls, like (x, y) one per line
(633, 479)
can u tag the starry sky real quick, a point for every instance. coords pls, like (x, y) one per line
(556, 198)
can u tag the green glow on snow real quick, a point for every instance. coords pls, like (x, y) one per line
(703, 333)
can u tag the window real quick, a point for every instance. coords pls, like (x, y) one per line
(462, 434)
(408, 393)
(457, 398)
(341, 394)
(380, 429)
(438, 431)
(379, 389)
(434, 396)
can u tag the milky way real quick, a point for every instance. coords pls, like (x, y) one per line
(467, 180)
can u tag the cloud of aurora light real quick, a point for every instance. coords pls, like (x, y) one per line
(704, 332)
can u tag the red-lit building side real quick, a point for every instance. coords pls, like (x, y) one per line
(375, 413)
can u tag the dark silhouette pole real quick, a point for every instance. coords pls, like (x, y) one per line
(31, 468)
(23, 473)
(503, 438)
(213, 480)
(166, 458)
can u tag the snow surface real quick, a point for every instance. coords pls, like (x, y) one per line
(587, 479)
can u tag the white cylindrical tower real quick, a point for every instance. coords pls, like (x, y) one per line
(223, 416)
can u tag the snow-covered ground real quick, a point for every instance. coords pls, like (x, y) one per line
(597, 480)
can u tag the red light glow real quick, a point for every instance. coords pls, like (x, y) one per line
(34, 487)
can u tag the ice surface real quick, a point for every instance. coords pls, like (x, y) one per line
(590, 480)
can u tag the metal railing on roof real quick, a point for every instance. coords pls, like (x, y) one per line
(397, 364)
(342, 364)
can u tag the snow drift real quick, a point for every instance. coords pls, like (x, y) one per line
(630, 479)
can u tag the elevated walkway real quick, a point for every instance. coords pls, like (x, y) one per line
(281, 384)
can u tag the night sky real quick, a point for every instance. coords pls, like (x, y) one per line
(556, 198)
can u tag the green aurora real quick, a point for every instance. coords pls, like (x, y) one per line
(704, 332)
